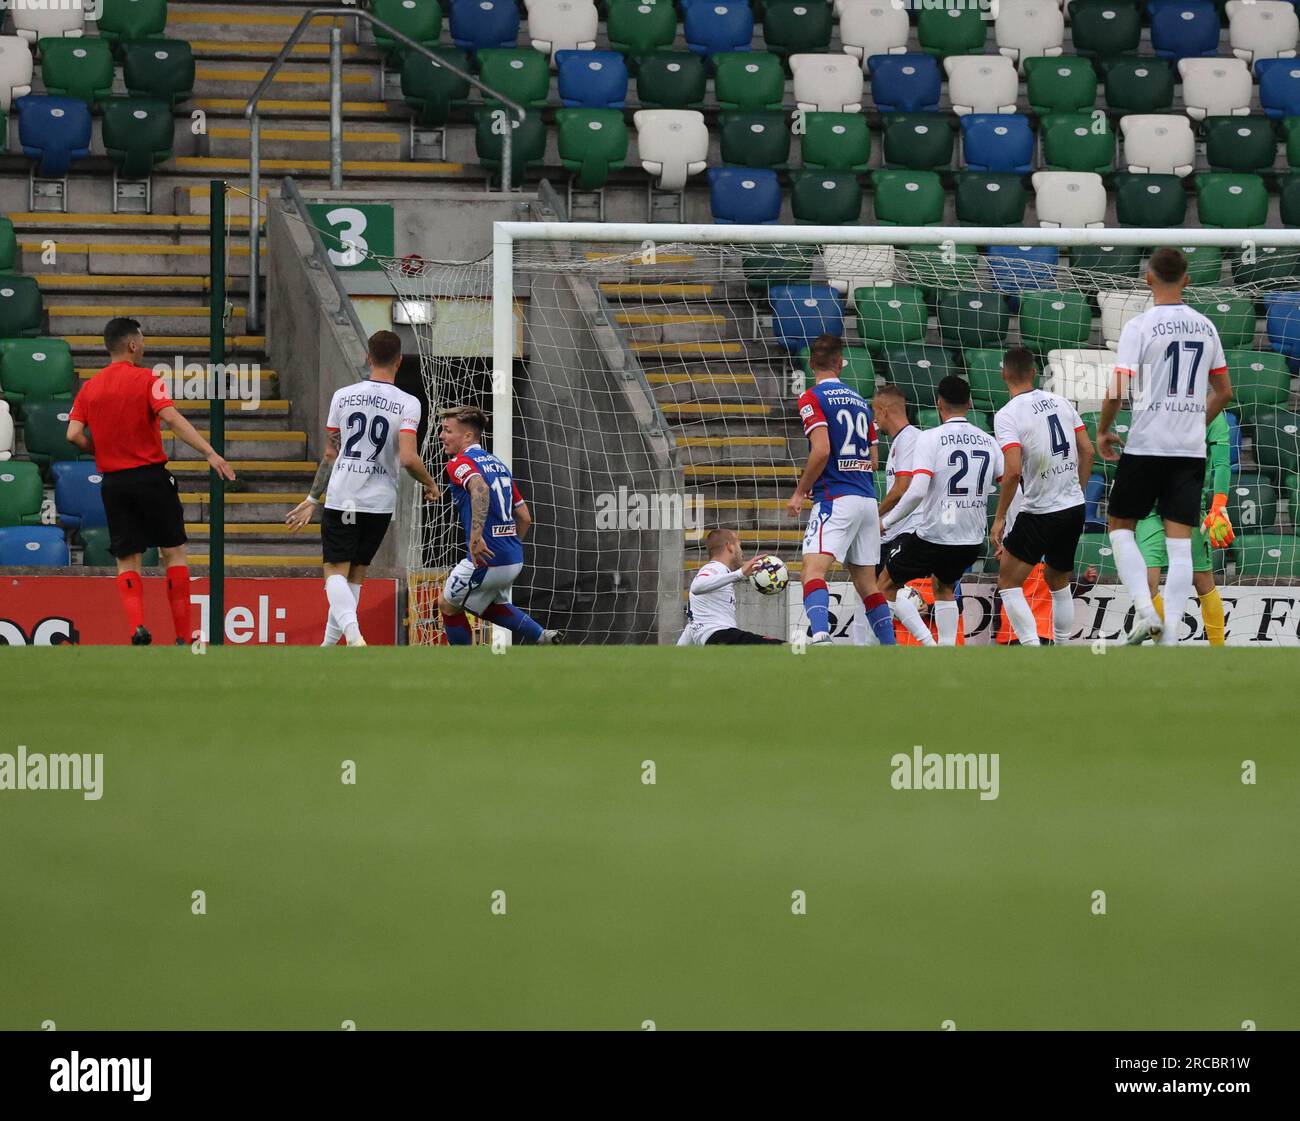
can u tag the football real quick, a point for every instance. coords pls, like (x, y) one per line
(770, 576)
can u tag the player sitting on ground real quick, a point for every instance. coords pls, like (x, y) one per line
(1048, 458)
(844, 525)
(711, 613)
(954, 467)
(491, 511)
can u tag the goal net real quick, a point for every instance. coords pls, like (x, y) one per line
(650, 397)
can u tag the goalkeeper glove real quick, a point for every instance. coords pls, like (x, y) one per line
(1217, 526)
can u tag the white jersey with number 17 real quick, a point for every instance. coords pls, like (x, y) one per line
(368, 417)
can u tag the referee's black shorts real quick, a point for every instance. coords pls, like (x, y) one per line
(351, 537)
(1172, 484)
(143, 508)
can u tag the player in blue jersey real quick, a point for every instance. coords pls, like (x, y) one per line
(845, 523)
(495, 518)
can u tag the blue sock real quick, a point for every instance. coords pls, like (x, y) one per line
(882, 622)
(817, 602)
(509, 616)
(457, 628)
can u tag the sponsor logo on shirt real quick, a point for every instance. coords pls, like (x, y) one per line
(503, 531)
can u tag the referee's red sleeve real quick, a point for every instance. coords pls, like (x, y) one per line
(159, 398)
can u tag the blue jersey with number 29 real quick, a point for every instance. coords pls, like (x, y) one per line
(499, 530)
(832, 405)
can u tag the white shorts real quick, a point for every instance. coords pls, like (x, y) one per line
(848, 528)
(476, 589)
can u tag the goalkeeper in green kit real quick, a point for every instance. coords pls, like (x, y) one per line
(1215, 531)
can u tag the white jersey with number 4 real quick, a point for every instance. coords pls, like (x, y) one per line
(899, 466)
(964, 464)
(368, 416)
(1168, 353)
(1043, 426)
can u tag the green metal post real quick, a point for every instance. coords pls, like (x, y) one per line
(217, 414)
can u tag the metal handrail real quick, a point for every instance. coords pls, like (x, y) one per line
(336, 122)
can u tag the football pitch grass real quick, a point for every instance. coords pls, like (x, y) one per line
(672, 902)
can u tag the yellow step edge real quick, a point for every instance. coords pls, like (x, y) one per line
(651, 289)
(268, 47)
(266, 466)
(271, 105)
(745, 503)
(135, 310)
(631, 317)
(687, 348)
(255, 529)
(702, 377)
(163, 222)
(312, 77)
(243, 342)
(235, 408)
(631, 259)
(86, 280)
(221, 163)
(730, 442)
(289, 498)
(745, 472)
(225, 16)
(258, 560)
(352, 136)
(266, 373)
(714, 410)
(254, 435)
(139, 248)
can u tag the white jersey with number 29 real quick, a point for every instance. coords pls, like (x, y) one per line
(368, 417)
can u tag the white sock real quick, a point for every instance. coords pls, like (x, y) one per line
(1178, 586)
(947, 618)
(1062, 615)
(333, 632)
(1133, 572)
(862, 633)
(904, 610)
(342, 606)
(1021, 616)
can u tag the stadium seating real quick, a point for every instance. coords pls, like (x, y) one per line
(908, 198)
(637, 28)
(420, 20)
(1095, 551)
(917, 370)
(7, 440)
(1139, 85)
(591, 79)
(718, 26)
(1015, 268)
(1252, 503)
(1283, 322)
(1158, 144)
(951, 31)
(972, 319)
(801, 312)
(1205, 263)
(754, 139)
(1149, 200)
(793, 27)
(858, 266)
(889, 314)
(984, 373)
(476, 24)
(75, 68)
(1060, 85)
(673, 145)
(1240, 143)
(1093, 493)
(45, 427)
(981, 84)
(872, 27)
(1262, 29)
(1279, 87)
(33, 546)
(49, 22)
(8, 246)
(1233, 318)
(826, 198)
(836, 141)
(161, 68)
(1109, 260)
(1228, 200)
(592, 143)
(22, 308)
(990, 199)
(1215, 87)
(1185, 29)
(521, 75)
(1261, 382)
(1078, 142)
(562, 25)
(919, 141)
(76, 495)
(15, 70)
(53, 131)
(677, 80)
(121, 20)
(1104, 29)
(1069, 198)
(1027, 29)
(528, 142)
(905, 83)
(137, 134)
(997, 142)
(1090, 412)
(432, 90)
(827, 83)
(1054, 321)
(1116, 309)
(744, 195)
(21, 493)
(36, 370)
(1269, 555)
(748, 80)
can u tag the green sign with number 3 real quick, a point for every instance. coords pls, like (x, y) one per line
(353, 233)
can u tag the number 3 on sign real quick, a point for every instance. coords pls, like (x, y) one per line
(354, 224)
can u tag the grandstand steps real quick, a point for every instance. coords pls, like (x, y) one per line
(268, 380)
(271, 475)
(266, 50)
(307, 139)
(236, 81)
(193, 286)
(166, 317)
(245, 22)
(719, 451)
(262, 507)
(685, 350)
(715, 410)
(71, 225)
(749, 511)
(262, 540)
(652, 326)
(265, 414)
(144, 255)
(658, 291)
(247, 445)
(288, 564)
(275, 109)
(239, 348)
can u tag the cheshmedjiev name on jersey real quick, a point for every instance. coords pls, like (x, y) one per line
(850, 427)
(368, 417)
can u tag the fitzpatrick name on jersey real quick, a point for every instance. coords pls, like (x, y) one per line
(847, 418)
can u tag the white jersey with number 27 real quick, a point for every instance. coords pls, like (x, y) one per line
(964, 463)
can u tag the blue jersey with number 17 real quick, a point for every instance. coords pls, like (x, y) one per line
(499, 530)
(832, 405)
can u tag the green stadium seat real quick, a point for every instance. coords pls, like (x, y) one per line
(95, 552)
(592, 143)
(8, 246)
(972, 319)
(420, 20)
(36, 370)
(990, 198)
(672, 80)
(797, 26)
(1123, 261)
(753, 139)
(1277, 446)
(1240, 143)
(1149, 200)
(1078, 142)
(1105, 28)
(1095, 549)
(45, 428)
(747, 80)
(22, 309)
(1231, 200)
(917, 370)
(522, 75)
(826, 198)
(637, 28)
(908, 198)
(836, 141)
(1121, 426)
(937, 269)
(889, 314)
(1233, 318)
(1270, 555)
(162, 68)
(137, 134)
(131, 19)
(1060, 85)
(432, 90)
(1289, 201)
(919, 141)
(21, 493)
(948, 31)
(984, 373)
(528, 144)
(1266, 267)
(928, 418)
(1291, 134)
(783, 264)
(1252, 504)
(1204, 263)
(1055, 321)
(77, 68)
(859, 370)
(1138, 85)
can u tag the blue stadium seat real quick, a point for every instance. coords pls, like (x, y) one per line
(905, 83)
(801, 312)
(724, 25)
(1185, 29)
(29, 545)
(484, 23)
(1093, 493)
(54, 131)
(591, 79)
(76, 494)
(741, 195)
(1283, 322)
(1234, 440)
(997, 142)
(1015, 268)
(1279, 86)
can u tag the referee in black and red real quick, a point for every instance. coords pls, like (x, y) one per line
(116, 415)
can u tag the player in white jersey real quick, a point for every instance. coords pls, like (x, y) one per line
(954, 469)
(1170, 362)
(711, 614)
(890, 407)
(370, 430)
(1048, 457)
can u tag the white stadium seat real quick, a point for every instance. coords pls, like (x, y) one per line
(1029, 29)
(562, 25)
(981, 83)
(1262, 29)
(870, 27)
(672, 145)
(1080, 376)
(1117, 308)
(1069, 198)
(858, 266)
(6, 431)
(47, 22)
(1215, 87)
(827, 83)
(15, 70)
(1159, 144)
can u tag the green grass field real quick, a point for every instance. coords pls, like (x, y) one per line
(671, 902)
